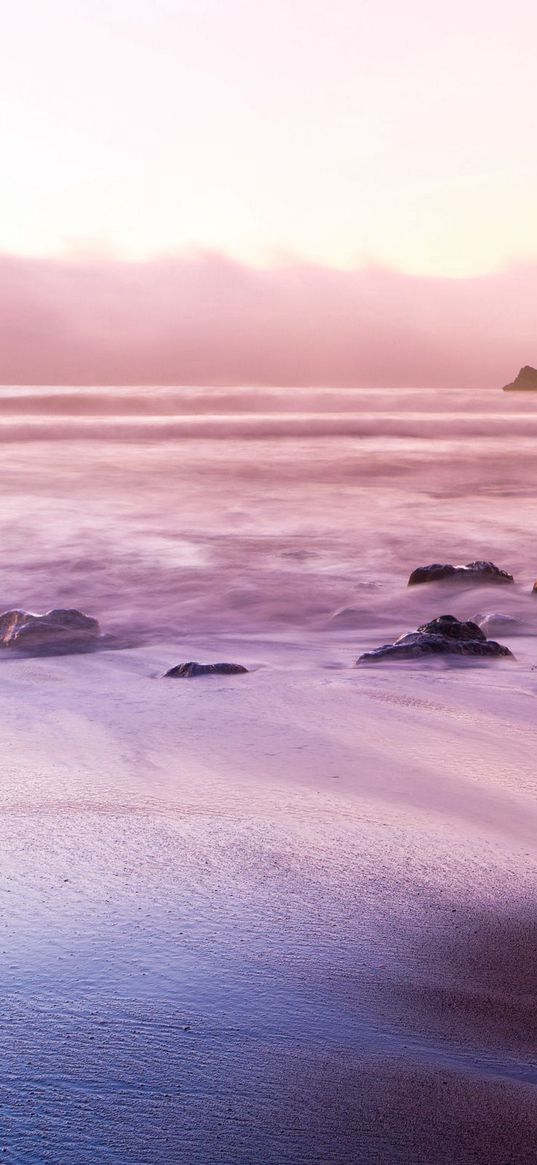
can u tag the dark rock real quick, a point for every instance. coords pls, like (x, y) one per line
(478, 572)
(452, 628)
(58, 630)
(415, 645)
(187, 670)
(445, 635)
(526, 381)
(432, 573)
(485, 571)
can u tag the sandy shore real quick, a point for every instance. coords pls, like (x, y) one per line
(285, 917)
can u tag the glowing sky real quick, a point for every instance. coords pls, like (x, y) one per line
(341, 132)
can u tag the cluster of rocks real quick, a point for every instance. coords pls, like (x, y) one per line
(445, 635)
(69, 630)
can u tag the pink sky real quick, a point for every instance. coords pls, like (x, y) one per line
(301, 136)
(209, 319)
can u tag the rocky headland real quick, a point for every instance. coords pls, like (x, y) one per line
(526, 381)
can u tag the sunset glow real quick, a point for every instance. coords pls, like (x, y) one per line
(344, 134)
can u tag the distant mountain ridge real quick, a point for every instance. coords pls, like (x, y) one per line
(526, 381)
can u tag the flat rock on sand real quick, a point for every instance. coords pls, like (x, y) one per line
(445, 635)
(480, 571)
(191, 669)
(57, 630)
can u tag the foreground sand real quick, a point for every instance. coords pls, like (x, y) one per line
(284, 917)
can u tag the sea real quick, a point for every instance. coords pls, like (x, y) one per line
(168, 511)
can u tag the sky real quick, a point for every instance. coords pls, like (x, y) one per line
(350, 135)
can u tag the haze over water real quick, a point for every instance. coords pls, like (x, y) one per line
(254, 510)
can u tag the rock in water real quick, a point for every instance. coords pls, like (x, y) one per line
(445, 635)
(492, 623)
(477, 572)
(526, 381)
(58, 630)
(424, 574)
(187, 670)
(452, 628)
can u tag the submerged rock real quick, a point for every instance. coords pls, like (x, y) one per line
(493, 622)
(526, 381)
(478, 572)
(347, 617)
(57, 630)
(187, 670)
(445, 635)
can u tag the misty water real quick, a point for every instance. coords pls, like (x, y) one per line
(280, 917)
(167, 511)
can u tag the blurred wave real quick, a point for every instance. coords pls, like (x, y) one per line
(172, 511)
(263, 427)
(66, 401)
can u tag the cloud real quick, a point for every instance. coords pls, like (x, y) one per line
(205, 319)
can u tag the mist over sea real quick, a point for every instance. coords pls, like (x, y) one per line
(257, 510)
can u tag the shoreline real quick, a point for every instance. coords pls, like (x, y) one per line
(286, 870)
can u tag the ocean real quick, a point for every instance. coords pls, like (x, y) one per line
(180, 510)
